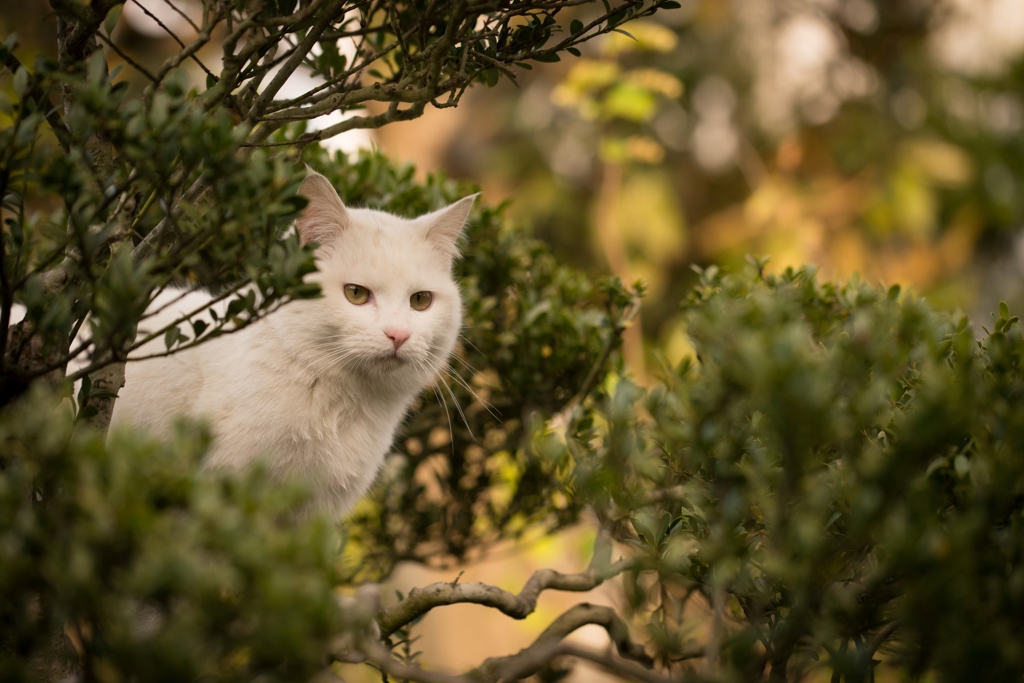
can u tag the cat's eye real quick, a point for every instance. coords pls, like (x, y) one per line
(357, 294)
(420, 301)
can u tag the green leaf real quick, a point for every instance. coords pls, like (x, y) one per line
(21, 82)
(573, 51)
(111, 19)
(831, 520)
(83, 391)
(172, 336)
(575, 26)
(553, 57)
(643, 531)
(962, 466)
(664, 524)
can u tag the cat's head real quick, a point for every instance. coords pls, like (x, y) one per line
(390, 306)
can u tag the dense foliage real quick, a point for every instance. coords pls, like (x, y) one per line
(837, 476)
(155, 570)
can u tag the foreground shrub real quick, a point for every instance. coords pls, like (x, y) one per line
(155, 570)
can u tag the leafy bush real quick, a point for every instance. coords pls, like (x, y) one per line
(837, 475)
(156, 570)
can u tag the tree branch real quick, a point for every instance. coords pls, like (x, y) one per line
(327, 15)
(612, 665)
(879, 638)
(162, 230)
(616, 666)
(187, 52)
(528, 661)
(183, 15)
(422, 600)
(392, 114)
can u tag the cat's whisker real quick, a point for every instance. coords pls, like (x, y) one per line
(431, 364)
(465, 385)
(444, 404)
(458, 407)
(471, 344)
(462, 380)
(443, 367)
(465, 362)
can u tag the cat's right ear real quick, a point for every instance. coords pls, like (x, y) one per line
(325, 216)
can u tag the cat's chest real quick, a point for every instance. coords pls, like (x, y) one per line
(345, 415)
(333, 431)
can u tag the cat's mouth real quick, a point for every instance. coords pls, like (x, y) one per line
(392, 360)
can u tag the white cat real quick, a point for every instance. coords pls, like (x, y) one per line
(317, 389)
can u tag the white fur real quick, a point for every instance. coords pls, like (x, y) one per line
(317, 389)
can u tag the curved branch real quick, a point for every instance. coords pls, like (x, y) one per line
(392, 114)
(879, 638)
(422, 600)
(327, 14)
(619, 667)
(163, 231)
(528, 661)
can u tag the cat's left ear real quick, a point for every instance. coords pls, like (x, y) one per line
(444, 226)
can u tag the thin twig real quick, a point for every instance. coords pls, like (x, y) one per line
(182, 15)
(614, 336)
(120, 53)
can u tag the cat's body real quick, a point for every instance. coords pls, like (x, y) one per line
(317, 389)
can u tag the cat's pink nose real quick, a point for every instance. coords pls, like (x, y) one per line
(397, 336)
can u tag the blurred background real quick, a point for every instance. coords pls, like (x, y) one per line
(879, 139)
